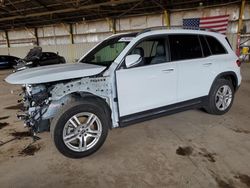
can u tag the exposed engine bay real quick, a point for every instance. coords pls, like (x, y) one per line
(42, 101)
(35, 101)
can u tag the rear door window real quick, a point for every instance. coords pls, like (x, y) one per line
(215, 46)
(184, 47)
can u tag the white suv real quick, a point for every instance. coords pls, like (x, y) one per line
(125, 79)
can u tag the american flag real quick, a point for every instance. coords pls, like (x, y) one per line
(217, 23)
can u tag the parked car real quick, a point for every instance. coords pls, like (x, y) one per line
(36, 57)
(7, 61)
(50, 58)
(129, 78)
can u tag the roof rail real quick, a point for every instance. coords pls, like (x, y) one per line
(174, 27)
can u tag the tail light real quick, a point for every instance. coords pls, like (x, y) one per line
(238, 62)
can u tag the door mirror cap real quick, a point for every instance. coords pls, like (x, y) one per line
(132, 60)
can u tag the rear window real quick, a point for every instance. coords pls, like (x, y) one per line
(184, 47)
(215, 46)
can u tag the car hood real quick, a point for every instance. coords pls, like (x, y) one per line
(53, 73)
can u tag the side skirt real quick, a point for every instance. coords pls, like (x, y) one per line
(162, 111)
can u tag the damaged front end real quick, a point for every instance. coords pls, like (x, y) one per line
(43, 101)
(35, 99)
(38, 106)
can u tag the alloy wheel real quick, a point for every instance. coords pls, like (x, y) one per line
(223, 97)
(82, 131)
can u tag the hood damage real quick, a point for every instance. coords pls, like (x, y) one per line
(53, 73)
(46, 89)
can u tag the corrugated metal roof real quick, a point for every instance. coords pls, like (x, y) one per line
(34, 13)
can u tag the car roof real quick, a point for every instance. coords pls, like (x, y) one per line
(128, 34)
(179, 31)
(165, 30)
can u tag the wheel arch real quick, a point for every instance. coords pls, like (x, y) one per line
(91, 96)
(229, 75)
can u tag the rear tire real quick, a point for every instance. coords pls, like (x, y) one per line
(220, 98)
(80, 129)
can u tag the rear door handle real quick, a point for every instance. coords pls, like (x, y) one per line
(207, 64)
(168, 70)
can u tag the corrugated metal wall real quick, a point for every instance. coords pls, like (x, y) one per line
(56, 38)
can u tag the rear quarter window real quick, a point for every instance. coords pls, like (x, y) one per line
(184, 47)
(215, 46)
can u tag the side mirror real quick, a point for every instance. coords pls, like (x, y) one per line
(132, 60)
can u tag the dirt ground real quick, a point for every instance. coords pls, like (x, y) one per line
(188, 149)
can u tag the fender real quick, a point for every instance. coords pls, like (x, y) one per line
(225, 74)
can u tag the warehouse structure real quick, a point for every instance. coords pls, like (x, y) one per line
(125, 80)
(71, 28)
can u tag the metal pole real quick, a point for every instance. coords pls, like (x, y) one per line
(71, 33)
(167, 18)
(242, 8)
(112, 24)
(7, 41)
(36, 36)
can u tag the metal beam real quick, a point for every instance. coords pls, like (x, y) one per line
(20, 13)
(29, 30)
(107, 3)
(132, 8)
(43, 5)
(27, 9)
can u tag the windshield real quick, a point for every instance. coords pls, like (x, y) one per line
(106, 52)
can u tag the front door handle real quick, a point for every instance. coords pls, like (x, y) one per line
(168, 70)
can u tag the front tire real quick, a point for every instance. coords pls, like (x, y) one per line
(220, 97)
(80, 129)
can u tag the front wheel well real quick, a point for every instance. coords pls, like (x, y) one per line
(99, 100)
